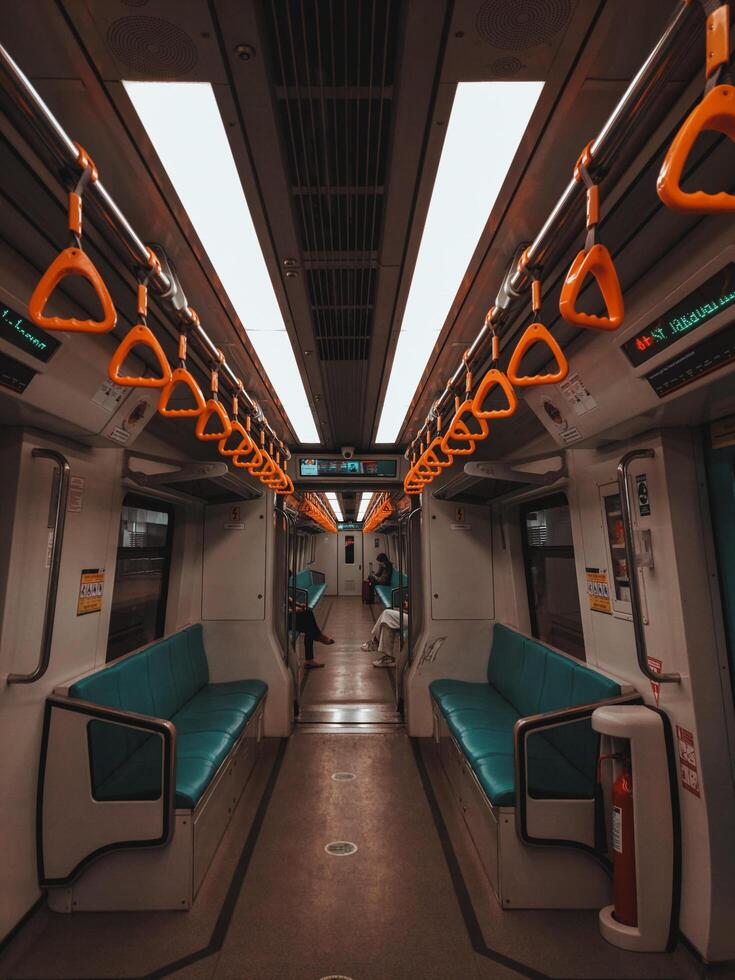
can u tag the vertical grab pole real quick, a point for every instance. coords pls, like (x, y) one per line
(59, 521)
(635, 592)
(409, 563)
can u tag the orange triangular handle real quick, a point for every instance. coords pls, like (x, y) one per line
(71, 262)
(139, 334)
(431, 456)
(715, 113)
(180, 376)
(288, 486)
(427, 470)
(458, 428)
(537, 333)
(251, 464)
(598, 263)
(239, 430)
(494, 379)
(461, 449)
(213, 409)
(264, 467)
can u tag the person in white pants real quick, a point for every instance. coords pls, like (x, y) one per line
(388, 623)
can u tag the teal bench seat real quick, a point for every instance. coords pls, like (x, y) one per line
(170, 680)
(389, 593)
(308, 586)
(524, 678)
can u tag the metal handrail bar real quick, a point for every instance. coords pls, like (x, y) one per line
(623, 118)
(47, 127)
(59, 521)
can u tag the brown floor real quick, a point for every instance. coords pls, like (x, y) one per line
(348, 689)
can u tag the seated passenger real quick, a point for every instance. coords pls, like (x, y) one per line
(303, 620)
(384, 573)
(388, 623)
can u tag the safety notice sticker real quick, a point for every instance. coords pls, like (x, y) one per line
(91, 587)
(656, 667)
(687, 761)
(598, 591)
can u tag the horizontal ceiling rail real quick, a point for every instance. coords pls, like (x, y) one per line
(624, 118)
(44, 125)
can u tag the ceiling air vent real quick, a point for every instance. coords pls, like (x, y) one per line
(152, 46)
(513, 25)
(506, 67)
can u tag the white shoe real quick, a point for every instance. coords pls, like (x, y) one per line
(385, 661)
(369, 646)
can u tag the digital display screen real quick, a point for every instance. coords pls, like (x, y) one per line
(710, 354)
(15, 375)
(705, 302)
(314, 466)
(26, 336)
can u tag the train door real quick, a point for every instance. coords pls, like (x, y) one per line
(349, 563)
(553, 595)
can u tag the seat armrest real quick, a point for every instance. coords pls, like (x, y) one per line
(522, 729)
(299, 595)
(68, 818)
(318, 578)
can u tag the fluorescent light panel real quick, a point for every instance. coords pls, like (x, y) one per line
(487, 122)
(332, 498)
(185, 126)
(364, 504)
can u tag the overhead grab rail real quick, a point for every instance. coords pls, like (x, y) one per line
(715, 113)
(626, 511)
(636, 99)
(58, 521)
(65, 154)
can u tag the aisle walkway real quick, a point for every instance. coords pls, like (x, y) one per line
(348, 689)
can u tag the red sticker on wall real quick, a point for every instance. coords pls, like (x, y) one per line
(687, 761)
(655, 666)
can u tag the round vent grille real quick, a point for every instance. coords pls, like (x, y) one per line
(519, 24)
(506, 67)
(135, 3)
(152, 46)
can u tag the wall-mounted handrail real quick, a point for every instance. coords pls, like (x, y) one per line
(64, 151)
(630, 560)
(59, 520)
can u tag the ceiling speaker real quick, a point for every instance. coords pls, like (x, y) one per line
(519, 24)
(506, 67)
(152, 46)
(135, 3)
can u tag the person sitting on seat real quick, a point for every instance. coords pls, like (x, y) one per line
(381, 639)
(384, 573)
(302, 620)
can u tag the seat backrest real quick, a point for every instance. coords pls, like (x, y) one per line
(158, 681)
(303, 579)
(536, 679)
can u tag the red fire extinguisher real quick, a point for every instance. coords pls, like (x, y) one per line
(623, 840)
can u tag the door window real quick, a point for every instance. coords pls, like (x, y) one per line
(141, 575)
(553, 596)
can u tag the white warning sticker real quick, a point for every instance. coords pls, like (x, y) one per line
(617, 829)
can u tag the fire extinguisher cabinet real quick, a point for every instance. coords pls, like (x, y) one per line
(644, 734)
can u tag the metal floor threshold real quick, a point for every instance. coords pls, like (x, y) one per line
(350, 713)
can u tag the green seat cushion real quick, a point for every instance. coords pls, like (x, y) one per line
(207, 700)
(385, 594)
(549, 775)
(469, 719)
(315, 593)
(213, 720)
(257, 689)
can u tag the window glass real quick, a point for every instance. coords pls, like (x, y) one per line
(553, 595)
(141, 576)
(349, 549)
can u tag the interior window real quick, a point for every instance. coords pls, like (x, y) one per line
(141, 575)
(553, 596)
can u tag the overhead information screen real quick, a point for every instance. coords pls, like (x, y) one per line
(315, 466)
(26, 336)
(705, 302)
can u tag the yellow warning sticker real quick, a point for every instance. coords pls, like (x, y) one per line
(91, 587)
(598, 591)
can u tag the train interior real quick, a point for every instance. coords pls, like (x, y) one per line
(367, 553)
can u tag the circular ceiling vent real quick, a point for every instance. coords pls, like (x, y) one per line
(506, 67)
(519, 24)
(152, 46)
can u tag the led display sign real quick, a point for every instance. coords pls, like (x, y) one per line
(703, 303)
(25, 335)
(318, 467)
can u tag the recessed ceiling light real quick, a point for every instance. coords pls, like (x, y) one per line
(364, 504)
(215, 202)
(332, 498)
(486, 125)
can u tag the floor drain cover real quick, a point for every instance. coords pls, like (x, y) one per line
(336, 976)
(342, 777)
(341, 848)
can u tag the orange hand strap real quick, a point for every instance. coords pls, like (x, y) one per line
(180, 376)
(140, 335)
(213, 410)
(494, 379)
(596, 262)
(458, 428)
(534, 334)
(243, 446)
